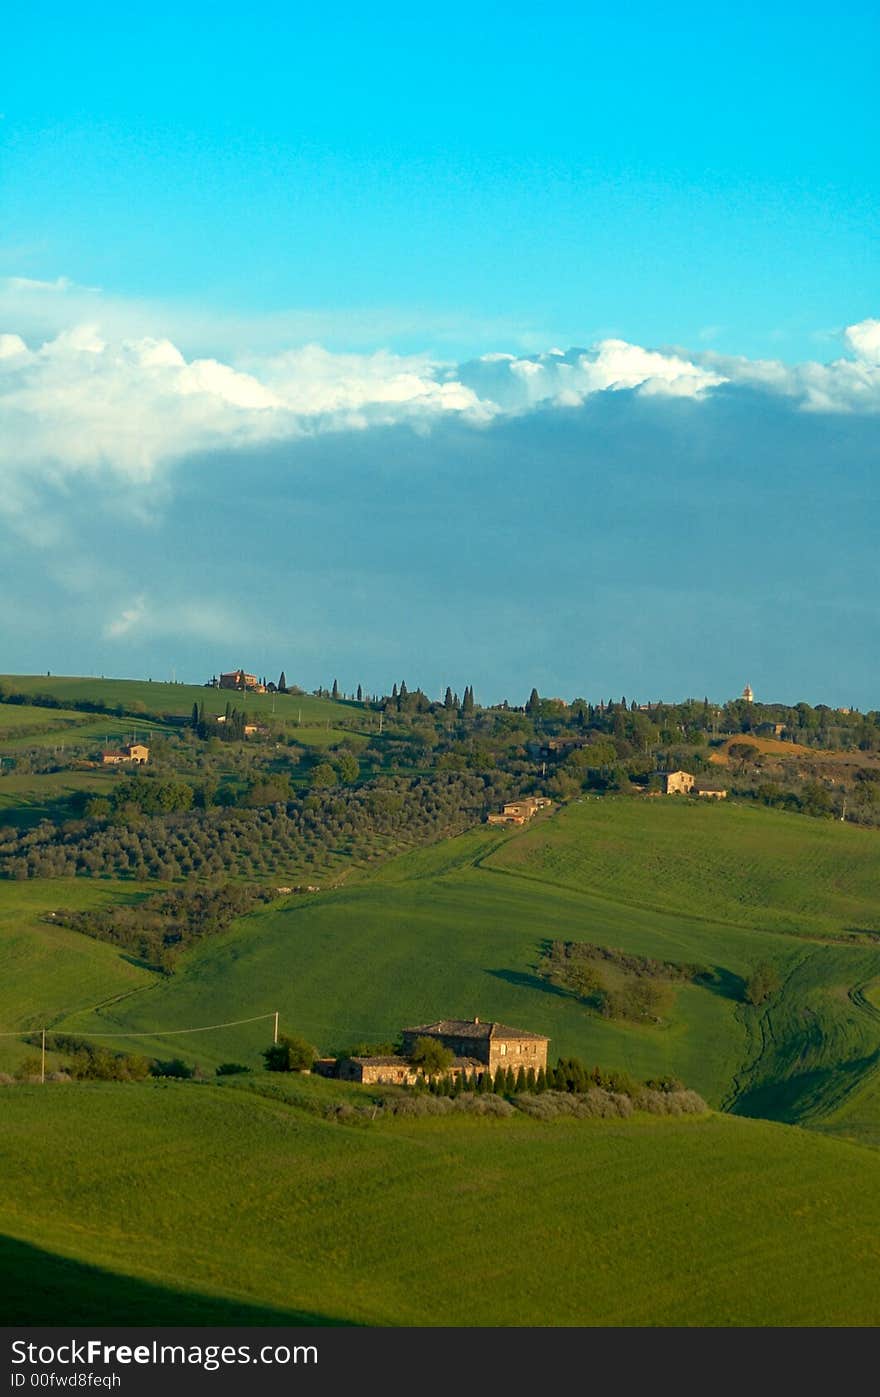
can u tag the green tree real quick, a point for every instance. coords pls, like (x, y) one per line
(282, 683)
(430, 1055)
(334, 692)
(290, 1054)
(324, 775)
(348, 767)
(533, 707)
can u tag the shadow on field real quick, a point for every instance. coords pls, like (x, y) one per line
(524, 981)
(723, 983)
(39, 1287)
(803, 1095)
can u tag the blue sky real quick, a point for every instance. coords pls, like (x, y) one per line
(189, 200)
(670, 175)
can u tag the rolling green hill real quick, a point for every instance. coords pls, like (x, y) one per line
(188, 1201)
(455, 929)
(185, 1201)
(138, 696)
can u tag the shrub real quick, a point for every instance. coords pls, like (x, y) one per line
(290, 1054)
(174, 1067)
(762, 982)
(231, 1069)
(29, 1069)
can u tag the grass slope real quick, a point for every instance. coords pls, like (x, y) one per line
(135, 696)
(48, 970)
(458, 929)
(733, 863)
(219, 1197)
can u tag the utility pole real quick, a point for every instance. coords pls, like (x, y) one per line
(275, 1039)
(43, 1062)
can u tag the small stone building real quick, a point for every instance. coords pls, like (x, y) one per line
(391, 1071)
(517, 812)
(677, 782)
(135, 752)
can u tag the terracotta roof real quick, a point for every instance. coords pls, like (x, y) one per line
(472, 1028)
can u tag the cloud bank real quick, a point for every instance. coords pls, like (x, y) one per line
(123, 410)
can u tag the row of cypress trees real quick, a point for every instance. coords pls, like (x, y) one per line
(569, 1074)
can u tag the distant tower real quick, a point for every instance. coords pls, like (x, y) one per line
(747, 693)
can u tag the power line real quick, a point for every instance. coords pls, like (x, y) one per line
(152, 1033)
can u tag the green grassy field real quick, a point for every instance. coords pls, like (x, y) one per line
(121, 1203)
(449, 930)
(192, 1201)
(48, 969)
(27, 799)
(136, 696)
(735, 863)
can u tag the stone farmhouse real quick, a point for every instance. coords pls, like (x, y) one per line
(518, 812)
(477, 1047)
(677, 782)
(684, 783)
(241, 680)
(135, 752)
(491, 1044)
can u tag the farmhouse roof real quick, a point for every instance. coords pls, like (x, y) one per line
(474, 1028)
(460, 1062)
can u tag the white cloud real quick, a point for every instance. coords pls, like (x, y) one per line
(86, 402)
(130, 619)
(147, 618)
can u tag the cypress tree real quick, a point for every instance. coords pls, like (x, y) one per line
(521, 1079)
(360, 694)
(334, 693)
(500, 1082)
(533, 704)
(195, 718)
(394, 691)
(403, 691)
(282, 683)
(509, 1082)
(541, 1080)
(483, 1084)
(530, 1079)
(448, 701)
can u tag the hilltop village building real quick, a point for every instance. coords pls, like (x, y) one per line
(135, 752)
(239, 679)
(477, 1047)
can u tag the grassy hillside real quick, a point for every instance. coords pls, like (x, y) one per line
(217, 1197)
(730, 862)
(457, 929)
(48, 970)
(134, 696)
